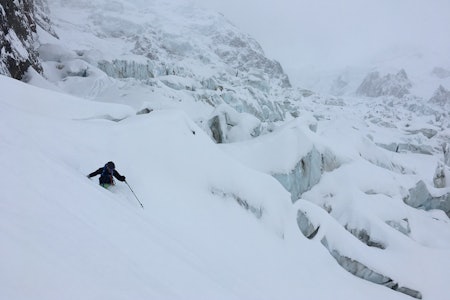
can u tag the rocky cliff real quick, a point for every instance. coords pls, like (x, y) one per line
(18, 38)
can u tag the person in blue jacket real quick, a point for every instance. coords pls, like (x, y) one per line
(106, 175)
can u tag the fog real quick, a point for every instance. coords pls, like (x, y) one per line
(309, 36)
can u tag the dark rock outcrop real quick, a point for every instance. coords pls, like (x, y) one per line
(244, 54)
(18, 38)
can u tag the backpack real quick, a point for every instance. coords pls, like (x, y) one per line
(107, 174)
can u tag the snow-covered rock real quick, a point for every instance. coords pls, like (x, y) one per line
(374, 85)
(441, 97)
(183, 52)
(18, 38)
(42, 16)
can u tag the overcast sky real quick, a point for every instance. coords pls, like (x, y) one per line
(304, 33)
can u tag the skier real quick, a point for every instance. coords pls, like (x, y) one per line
(106, 175)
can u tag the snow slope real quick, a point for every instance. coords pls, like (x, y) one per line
(68, 238)
(64, 237)
(359, 191)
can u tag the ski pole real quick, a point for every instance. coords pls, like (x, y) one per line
(135, 195)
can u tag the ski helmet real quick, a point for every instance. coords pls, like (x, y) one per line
(110, 165)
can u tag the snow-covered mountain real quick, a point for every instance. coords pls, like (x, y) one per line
(252, 189)
(395, 72)
(159, 47)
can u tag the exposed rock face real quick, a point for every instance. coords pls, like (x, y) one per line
(42, 13)
(18, 38)
(374, 85)
(420, 197)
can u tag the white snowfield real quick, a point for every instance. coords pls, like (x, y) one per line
(65, 237)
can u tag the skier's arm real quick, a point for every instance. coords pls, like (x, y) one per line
(98, 172)
(118, 176)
